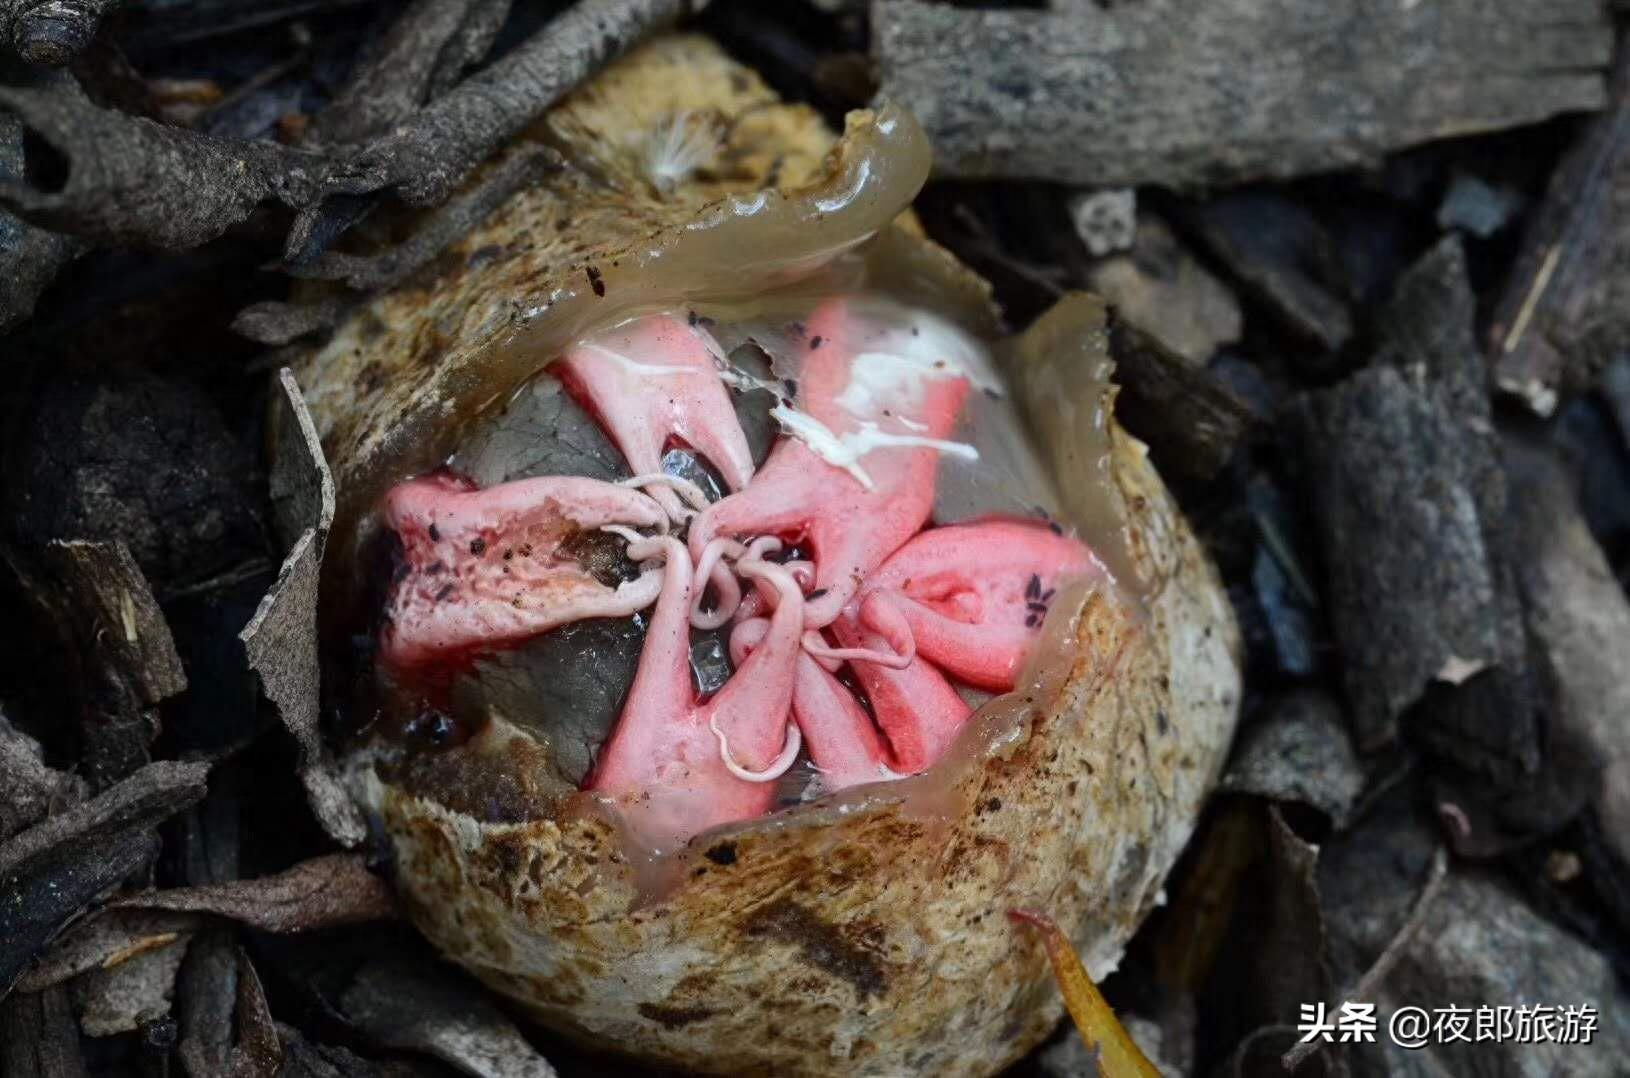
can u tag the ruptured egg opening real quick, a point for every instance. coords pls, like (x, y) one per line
(718, 566)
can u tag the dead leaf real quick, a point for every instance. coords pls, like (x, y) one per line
(281, 639)
(124, 997)
(1118, 1055)
(259, 1051)
(324, 892)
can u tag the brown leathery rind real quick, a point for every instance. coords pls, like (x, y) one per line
(872, 942)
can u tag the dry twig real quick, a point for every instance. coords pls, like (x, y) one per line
(1372, 978)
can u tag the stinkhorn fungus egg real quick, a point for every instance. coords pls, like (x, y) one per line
(737, 627)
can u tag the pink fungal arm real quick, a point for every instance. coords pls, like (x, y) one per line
(851, 517)
(653, 381)
(973, 596)
(488, 567)
(677, 766)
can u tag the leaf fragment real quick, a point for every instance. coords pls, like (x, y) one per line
(1118, 1054)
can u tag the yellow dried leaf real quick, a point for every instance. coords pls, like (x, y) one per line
(1118, 1055)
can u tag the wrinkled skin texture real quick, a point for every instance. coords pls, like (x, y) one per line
(495, 566)
(871, 943)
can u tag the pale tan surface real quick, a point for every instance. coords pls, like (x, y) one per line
(872, 944)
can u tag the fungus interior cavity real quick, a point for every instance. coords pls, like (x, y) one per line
(770, 550)
(720, 566)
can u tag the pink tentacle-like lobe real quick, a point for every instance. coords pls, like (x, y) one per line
(842, 740)
(843, 743)
(917, 709)
(651, 381)
(973, 596)
(672, 764)
(969, 600)
(483, 568)
(854, 478)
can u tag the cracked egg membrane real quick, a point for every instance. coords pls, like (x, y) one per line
(733, 628)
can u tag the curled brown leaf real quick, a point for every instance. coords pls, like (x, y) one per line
(324, 892)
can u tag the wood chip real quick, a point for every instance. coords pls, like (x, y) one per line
(1402, 472)
(28, 789)
(1191, 421)
(207, 992)
(1299, 751)
(1483, 712)
(53, 870)
(38, 1036)
(1580, 620)
(1408, 576)
(122, 658)
(155, 793)
(1174, 93)
(1160, 287)
(1565, 309)
(1282, 255)
(47, 893)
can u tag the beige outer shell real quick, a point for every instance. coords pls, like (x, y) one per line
(873, 943)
